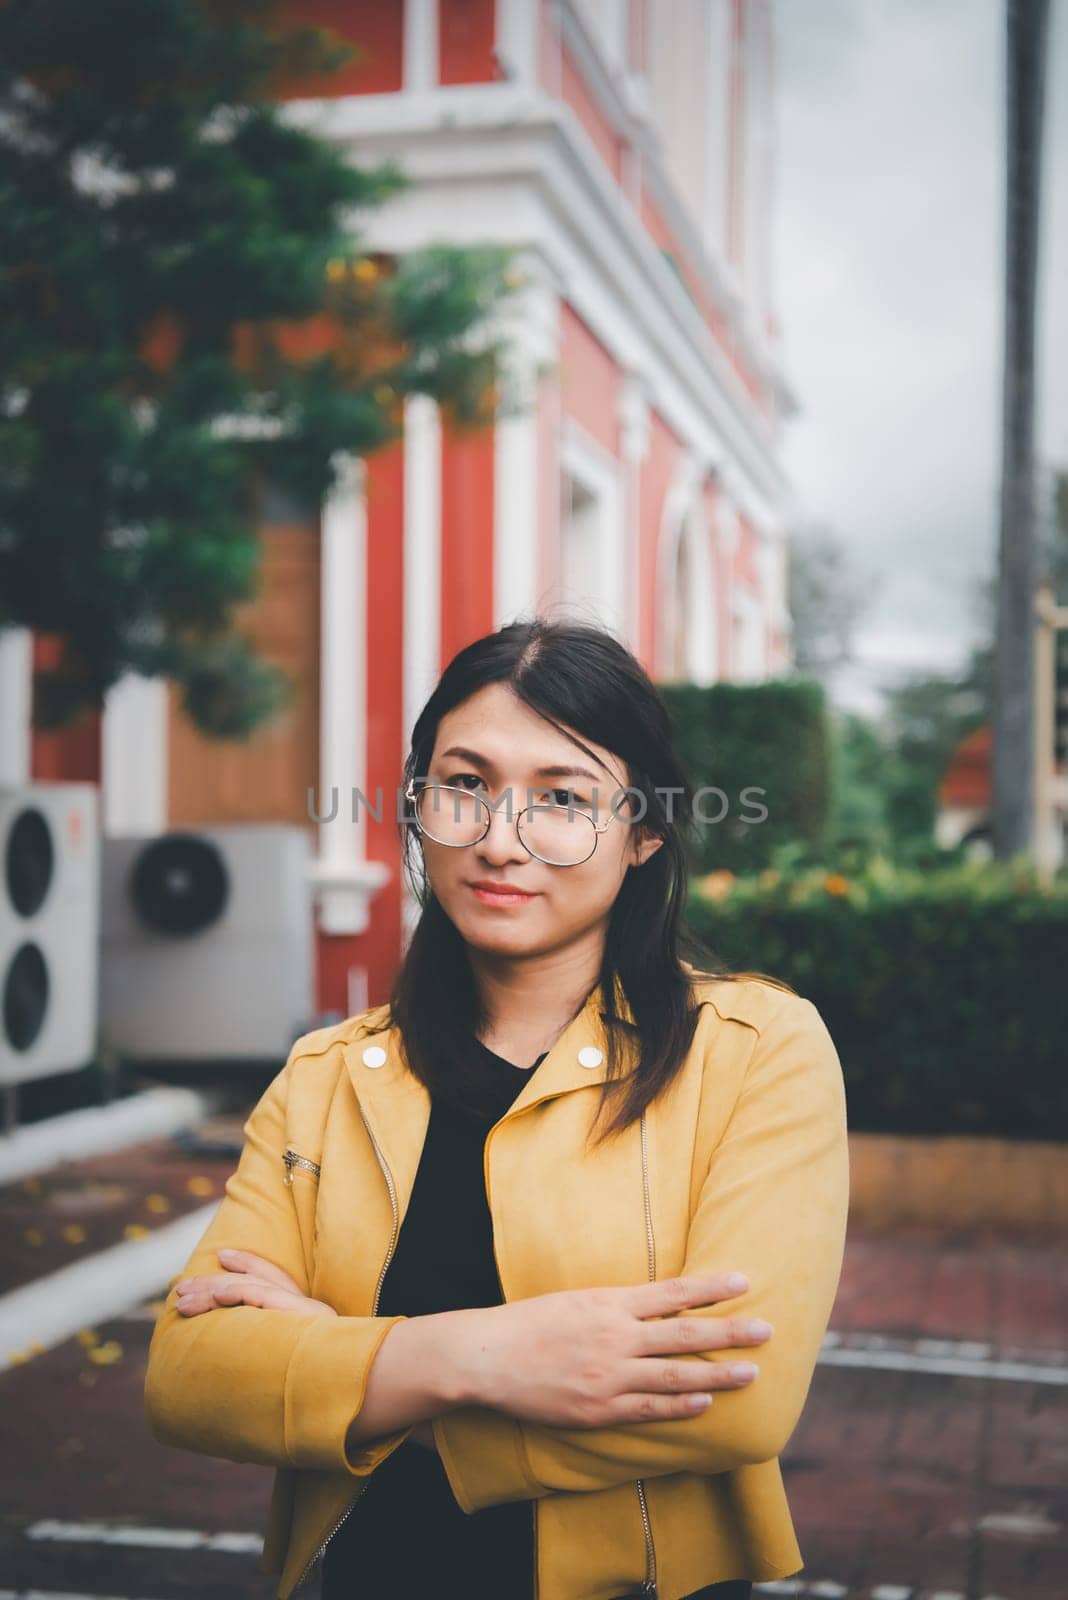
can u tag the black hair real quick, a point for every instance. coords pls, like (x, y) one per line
(584, 681)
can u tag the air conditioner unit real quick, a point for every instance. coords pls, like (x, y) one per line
(49, 928)
(207, 943)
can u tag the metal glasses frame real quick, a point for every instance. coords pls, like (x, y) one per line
(452, 788)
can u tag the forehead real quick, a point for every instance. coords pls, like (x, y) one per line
(510, 736)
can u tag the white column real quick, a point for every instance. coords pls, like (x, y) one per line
(16, 704)
(135, 757)
(422, 555)
(634, 442)
(529, 325)
(517, 40)
(345, 882)
(420, 45)
(727, 537)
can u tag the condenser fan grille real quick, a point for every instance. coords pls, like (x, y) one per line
(180, 884)
(29, 862)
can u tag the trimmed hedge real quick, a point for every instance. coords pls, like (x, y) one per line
(944, 990)
(772, 737)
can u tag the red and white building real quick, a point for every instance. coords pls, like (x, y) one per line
(624, 147)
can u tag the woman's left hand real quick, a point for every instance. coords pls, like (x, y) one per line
(248, 1280)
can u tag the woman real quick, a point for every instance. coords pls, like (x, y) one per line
(473, 1289)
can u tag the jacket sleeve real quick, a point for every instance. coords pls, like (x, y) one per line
(773, 1205)
(274, 1387)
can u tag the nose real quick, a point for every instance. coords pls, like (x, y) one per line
(502, 842)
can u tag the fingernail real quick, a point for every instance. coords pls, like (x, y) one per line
(760, 1329)
(737, 1280)
(744, 1369)
(699, 1402)
(183, 1286)
(227, 1254)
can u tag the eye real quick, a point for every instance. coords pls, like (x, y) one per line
(567, 796)
(457, 781)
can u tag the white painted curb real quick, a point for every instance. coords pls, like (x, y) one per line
(96, 1130)
(97, 1288)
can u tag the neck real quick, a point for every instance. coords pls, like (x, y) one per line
(528, 1001)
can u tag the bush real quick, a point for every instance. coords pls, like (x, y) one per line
(943, 987)
(773, 738)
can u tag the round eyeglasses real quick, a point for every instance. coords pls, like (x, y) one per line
(561, 836)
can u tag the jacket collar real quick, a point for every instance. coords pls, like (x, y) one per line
(396, 1105)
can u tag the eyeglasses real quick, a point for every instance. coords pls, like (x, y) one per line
(561, 836)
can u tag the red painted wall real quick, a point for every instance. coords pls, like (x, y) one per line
(466, 39)
(64, 755)
(467, 503)
(590, 381)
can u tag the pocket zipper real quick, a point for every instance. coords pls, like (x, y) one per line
(292, 1159)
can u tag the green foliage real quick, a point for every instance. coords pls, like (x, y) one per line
(942, 985)
(166, 234)
(770, 738)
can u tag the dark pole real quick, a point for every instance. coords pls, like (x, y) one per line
(1013, 762)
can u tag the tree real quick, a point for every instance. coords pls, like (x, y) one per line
(826, 599)
(185, 315)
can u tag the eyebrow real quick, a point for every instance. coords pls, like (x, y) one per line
(541, 772)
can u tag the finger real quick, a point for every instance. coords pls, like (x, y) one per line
(676, 1294)
(675, 1335)
(259, 1266)
(645, 1407)
(206, 1293)
(658, 1376)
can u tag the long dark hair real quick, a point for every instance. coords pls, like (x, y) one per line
(579, 675)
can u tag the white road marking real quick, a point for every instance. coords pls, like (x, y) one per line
(966, 1358)
(97, 1287)
(233, 1544)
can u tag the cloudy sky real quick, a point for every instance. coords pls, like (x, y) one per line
(889, 269)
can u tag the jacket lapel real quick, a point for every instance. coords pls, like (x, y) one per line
(396, 1106)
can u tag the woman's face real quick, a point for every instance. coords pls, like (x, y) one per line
(494, 745)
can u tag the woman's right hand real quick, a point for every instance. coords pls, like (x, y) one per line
(590, 1358)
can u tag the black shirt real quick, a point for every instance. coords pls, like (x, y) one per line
(406, 1538)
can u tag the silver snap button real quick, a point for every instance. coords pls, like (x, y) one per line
(374, 1056)
(590, 1056)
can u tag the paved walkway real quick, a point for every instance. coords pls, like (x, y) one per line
(931, 1462)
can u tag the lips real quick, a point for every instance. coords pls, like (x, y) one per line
(500, 894)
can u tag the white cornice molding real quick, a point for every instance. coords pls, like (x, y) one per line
(501, 107)
(539, 169)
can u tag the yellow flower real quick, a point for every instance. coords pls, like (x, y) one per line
(716, 885)
(365, 269)
(105, 1355)
(335, 270)
(834, 883)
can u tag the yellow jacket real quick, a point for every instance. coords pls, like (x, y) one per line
(741, 1164)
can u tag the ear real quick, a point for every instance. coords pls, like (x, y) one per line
(648, 844)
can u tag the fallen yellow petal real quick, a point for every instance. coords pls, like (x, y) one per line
(74, 1233)
(157, 1202)
(105, 1354)
(135, 1230)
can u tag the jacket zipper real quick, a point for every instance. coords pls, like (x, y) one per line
(390, 1185)
(649, 1586)
(291, 1159)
